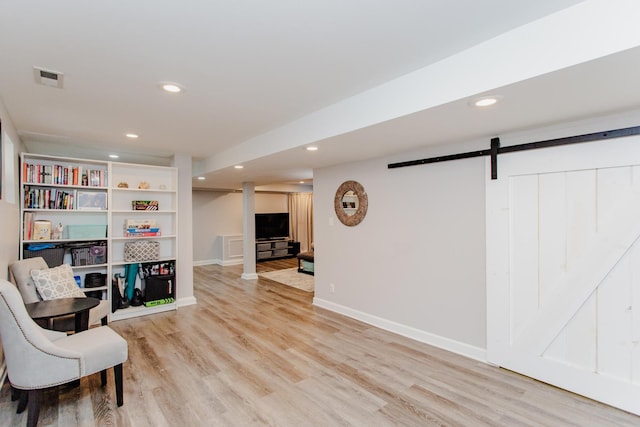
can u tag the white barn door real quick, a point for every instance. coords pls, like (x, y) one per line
(563, 268)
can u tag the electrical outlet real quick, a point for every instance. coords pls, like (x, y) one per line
(332, 287)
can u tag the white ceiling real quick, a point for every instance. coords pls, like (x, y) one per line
(252, 69)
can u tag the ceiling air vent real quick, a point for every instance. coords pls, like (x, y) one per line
(48, 77)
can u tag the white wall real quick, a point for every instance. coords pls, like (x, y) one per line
(271, 202)
(416, 262)
(9, 212)
(220, 213)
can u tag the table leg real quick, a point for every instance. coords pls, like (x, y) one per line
(82, 321)
(82, 324)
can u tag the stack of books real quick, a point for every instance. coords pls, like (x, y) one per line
(141, 228)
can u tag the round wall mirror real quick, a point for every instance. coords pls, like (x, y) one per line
(351, 203)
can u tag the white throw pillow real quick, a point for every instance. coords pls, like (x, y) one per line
(57, 282)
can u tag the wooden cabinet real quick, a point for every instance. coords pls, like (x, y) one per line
(89, 202)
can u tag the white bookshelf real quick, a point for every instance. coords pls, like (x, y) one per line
(112, 208)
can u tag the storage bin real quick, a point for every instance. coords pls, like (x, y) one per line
(264, 246)
(90, 231)
(159, 287)
(280, 245)
(52, 256)
(141, 250)
(264, 254)
(281, 252)
(89, 254)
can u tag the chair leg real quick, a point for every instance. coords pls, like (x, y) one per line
(15, 394)
(22, 402)
(103, 377)
(117, 371)
(35, 397)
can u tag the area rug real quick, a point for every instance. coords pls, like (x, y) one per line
(291, 277)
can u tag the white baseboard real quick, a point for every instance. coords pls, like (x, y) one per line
(444, 343)
(206, 262)
(249, 276)
(217, 262)
(182, 302)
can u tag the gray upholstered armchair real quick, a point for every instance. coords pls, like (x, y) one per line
(21, 272)
(38, 359)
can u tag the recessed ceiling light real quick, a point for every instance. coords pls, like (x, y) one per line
(201, 178)
(312, 148)
(485, 101)
(301, 182)
(238, 166)
(113, 156)
(171, 87)
(132, 135)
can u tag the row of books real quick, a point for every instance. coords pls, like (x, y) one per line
(141, 228)
(33, 173)
(49, 198)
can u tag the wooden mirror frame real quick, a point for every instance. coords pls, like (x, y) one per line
(363, 203)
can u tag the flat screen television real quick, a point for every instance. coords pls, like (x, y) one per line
(272, 226)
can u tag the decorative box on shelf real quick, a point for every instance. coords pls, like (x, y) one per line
(86, 231)
(41, 230)
(144, 205)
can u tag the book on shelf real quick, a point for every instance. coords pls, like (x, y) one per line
(57, 174)
(49, 198)
(27, 226)
(141, 228)
(140, 223)
(132, 232)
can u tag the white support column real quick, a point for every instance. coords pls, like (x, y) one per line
(249, 230)
(184, 241)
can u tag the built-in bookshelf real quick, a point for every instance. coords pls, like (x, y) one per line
(83, 212)
(143, 206)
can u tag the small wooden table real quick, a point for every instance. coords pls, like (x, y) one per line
(46, 310)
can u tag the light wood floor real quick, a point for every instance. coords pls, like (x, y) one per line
(255, 353)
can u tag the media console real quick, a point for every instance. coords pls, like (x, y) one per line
(274, 249)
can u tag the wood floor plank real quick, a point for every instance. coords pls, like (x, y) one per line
(257, 353)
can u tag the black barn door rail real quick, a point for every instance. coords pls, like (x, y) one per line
(496, 149)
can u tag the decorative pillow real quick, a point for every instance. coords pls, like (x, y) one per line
(57, 282)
